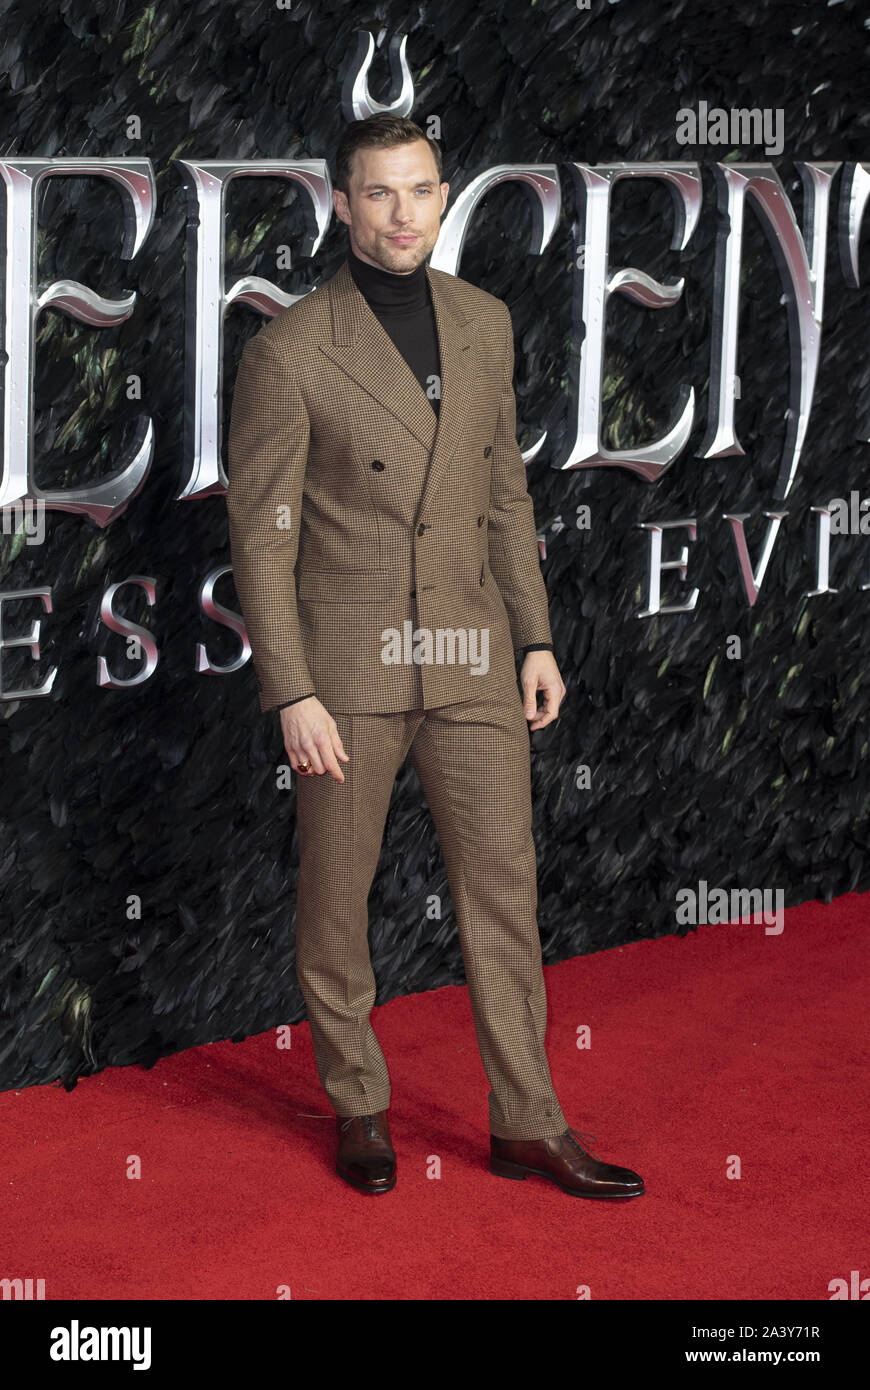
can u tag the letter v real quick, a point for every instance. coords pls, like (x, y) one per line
(752, 580)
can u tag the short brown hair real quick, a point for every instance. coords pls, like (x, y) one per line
(378, 132)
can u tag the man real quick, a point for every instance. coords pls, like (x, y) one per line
(385, 558)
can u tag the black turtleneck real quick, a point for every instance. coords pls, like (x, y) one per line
(402, 304)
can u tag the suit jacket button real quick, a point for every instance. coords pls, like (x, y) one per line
(421, 528)
(480, 521)
(412, 593)
(487, 451)
(377, 466)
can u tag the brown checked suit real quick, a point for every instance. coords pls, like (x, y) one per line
(355, 513)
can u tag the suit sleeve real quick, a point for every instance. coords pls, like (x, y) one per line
(513, 542)
(267, 455)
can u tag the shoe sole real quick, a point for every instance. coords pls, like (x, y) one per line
(501, 1168)
(365, 1187)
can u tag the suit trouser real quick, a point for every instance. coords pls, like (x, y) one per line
(473, 762)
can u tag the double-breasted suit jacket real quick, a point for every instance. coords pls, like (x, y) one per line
(355, 510)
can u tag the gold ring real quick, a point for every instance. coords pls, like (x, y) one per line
(305, 767)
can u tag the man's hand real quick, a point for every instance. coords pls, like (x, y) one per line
(540, 672)
(310, 733)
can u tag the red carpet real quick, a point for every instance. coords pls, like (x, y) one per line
(728, 1042)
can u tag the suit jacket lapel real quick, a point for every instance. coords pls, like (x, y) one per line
(364, 349)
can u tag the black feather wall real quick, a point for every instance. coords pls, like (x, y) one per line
(148, 852)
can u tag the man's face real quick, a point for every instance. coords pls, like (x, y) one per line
(394, 206)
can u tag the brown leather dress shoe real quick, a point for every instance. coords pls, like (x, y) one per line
(366, 1157)
(562, 1159)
